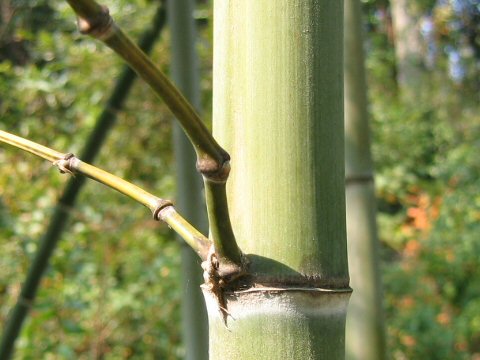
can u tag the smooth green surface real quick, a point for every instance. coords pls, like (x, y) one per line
(190, 201)
(365, 338)
(365, 334)
(289, 325)
(358, 160)
(221, 231)
(30, 146)
(85, 8)
(278, 110)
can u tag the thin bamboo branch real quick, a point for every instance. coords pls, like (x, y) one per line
(161, 209)
(95, 20)
(67, 200)
(226, 248)
(30, 146)
(213, 162)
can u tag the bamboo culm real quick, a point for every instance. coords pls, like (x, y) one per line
(365, 337)
(278, 109)
(189, 200)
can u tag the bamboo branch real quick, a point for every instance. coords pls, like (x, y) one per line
(95, 20)
(161, 209)
(213, 162)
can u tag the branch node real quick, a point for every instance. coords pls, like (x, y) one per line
(214, 171)
(218, 276)
(65, 164)
(161, 204)
(213, 282)
(98, 26)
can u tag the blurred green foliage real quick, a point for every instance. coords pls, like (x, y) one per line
(427, 177)
(113, 289)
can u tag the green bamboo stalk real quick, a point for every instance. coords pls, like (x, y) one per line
(365, 338)
(278, 109)
(185, 74)
(67, 200)
(213, 162)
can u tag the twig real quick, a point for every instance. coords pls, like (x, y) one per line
(95, 20)
(161, 209)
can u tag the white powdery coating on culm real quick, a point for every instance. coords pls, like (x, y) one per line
(287, 302)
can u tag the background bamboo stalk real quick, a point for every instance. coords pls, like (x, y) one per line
(365, 338)
(70, 194)
(190, 200)
(406, 22)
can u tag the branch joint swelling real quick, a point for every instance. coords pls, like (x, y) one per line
(98, 26)
(220, 277)
(161, 204)
(214, 284)
(213, 170)
(66, 164)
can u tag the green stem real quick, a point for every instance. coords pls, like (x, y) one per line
(95, 20)
(365, 337)
(161, 209)
(213, 162)
(30, 146)
(67, 200)
(221, 231)
(277, 107)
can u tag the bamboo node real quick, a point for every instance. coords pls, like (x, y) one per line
(65, 164)
(213, 170)
(218, 276)
(213, 283)
(161, 204)
(359, 178)
(98, 26)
